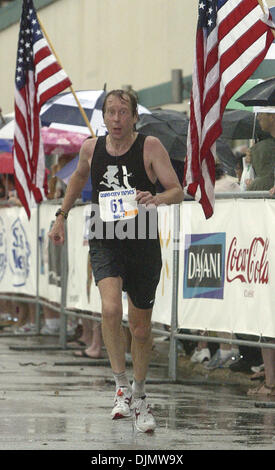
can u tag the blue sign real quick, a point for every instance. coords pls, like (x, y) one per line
(204, 266)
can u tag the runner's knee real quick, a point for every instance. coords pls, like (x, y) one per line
(141, 333)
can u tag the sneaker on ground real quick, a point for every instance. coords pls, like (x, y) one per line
(218, 360)
(200, 355)
(28, 328)
(144, 420)
(45, 330)
(122, 402)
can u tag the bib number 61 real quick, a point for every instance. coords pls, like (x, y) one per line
(117, 206)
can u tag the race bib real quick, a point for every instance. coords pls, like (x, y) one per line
(117, 205)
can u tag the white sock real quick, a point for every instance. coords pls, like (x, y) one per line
(121, 380)
(138, 388)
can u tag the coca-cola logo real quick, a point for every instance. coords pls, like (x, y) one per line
(250, 264)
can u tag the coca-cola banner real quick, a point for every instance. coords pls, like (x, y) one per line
(227, 267)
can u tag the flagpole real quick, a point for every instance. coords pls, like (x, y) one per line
(84, 115)
(262, 7)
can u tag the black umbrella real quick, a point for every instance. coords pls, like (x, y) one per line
(171, 128)
(226, 156)
(239, 124)
(262, 94)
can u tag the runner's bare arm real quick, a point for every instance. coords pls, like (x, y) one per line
(158, 166)
(76, 183)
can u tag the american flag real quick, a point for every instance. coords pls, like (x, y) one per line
(233, 37)
(38, 77)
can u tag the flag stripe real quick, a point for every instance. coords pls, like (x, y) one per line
(54, 89)
(233, 37)
(38, 77)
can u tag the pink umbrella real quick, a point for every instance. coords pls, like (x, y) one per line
(6, 162)
(57, 141)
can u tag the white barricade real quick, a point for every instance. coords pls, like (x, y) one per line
(17, 251)
(227, 267)
(226, 264)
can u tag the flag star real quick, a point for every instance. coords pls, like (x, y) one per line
(202, 5)
(34, 21)
(210, 10)
(209, 22)
(27, 31)
(27, 44)
(20, 59)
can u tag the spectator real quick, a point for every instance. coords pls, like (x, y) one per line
(268, 387)
(224, 183)
(239, 168)
(91, 329)
(92, 338)
(2, 191)
(56, 186)
(262, 156)
(268, 354)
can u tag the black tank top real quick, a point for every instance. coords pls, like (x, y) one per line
(109, 173)
(124, 172)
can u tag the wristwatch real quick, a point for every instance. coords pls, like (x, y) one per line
(60, 211)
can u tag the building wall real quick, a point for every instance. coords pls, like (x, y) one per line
(117, 42)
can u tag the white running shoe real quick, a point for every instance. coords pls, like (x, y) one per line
(122, 402)
(144, 420)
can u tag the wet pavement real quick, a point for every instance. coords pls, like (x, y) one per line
(50, 400)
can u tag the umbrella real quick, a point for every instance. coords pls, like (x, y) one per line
(62, 112)
(171, 127)
(262, 94)
(57, 141)
(239, 124)
(7, 131)
(233, 103)
(6, 163)
(66, 172)
(6, 145)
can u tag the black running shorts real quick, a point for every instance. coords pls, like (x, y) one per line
(137, 262)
